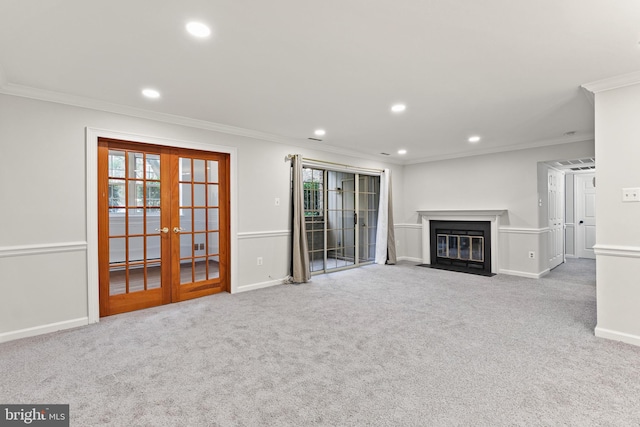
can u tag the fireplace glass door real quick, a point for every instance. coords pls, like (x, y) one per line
(461, 246)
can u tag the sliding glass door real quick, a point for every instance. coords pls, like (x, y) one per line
(341, 211)
(369, 198)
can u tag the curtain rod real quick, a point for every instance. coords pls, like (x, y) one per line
(290, 156)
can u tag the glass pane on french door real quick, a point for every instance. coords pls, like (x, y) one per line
(199, 220)
(134, 221)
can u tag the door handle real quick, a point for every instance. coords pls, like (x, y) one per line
(177, 229)
(164, 230)
(581, 222)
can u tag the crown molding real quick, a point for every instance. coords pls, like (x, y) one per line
(613, 82)
(504, 149)
(109, 107)
(94, 104)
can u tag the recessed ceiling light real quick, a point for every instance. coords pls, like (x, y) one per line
(320, 132)
(151, 93)
(474, 139)
(198, 29)
(403, 151)
(398, 108)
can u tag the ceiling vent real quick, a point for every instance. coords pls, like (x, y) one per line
(587, 163)
(583, 168)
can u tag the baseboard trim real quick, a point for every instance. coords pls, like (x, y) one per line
(617, 336)
(410, 259)
(260, 285)
(43, 329)
(524, 273)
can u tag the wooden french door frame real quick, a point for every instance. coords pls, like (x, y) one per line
(178, 200)
(92, 134)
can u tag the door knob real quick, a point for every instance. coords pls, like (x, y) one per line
(581, 222)
(177, 229)
(164, 230)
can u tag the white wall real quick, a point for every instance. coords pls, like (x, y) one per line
(43, 223)
(494, 181)
(618, 233)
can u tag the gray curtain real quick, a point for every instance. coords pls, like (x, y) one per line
(301, 272)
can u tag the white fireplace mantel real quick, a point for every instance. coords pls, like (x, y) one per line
(492, 215)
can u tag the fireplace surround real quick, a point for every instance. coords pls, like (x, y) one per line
(492, 217)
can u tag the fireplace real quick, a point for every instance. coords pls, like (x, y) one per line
(463, 246)
(453, 239)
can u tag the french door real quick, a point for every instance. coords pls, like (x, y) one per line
(341, 214)
(163, 225)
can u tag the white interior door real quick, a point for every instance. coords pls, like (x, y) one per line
(555, 185)
(585, 215)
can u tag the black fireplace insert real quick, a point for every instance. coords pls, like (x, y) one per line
(463, 246)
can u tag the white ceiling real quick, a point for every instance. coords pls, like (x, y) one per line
(507, 70)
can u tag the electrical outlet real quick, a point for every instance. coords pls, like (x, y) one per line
(532, 255)
(631, 194)
(259, 260)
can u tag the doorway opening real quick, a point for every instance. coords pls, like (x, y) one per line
(579, 212)
(163, 224)
(341, 217)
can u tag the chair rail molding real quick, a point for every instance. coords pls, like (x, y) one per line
(41, 248)
(263, 234)
(617, 251)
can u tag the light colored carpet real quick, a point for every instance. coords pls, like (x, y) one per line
(381, 345)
